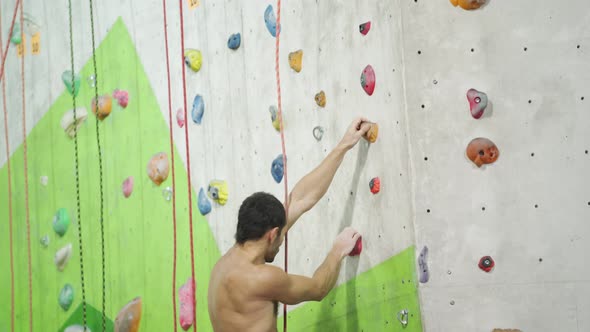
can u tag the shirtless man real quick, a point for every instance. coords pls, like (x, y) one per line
(244, 291)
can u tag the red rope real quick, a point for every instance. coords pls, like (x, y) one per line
(9, 193)
(26, 179)
(277, 68)
(8, 40)
(188, 168)
(172, 159)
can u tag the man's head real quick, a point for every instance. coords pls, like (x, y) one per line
(262, 218)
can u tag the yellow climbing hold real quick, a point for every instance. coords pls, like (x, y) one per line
(218, 191)
(320, 99)
(468, 4)
(295, 60)
(193, 59)
(274, 117)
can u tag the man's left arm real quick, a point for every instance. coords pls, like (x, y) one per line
(313, 186)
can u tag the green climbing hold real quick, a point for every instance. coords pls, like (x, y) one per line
(66, 297)
(61, 222)
(74, 88)
(17, 35)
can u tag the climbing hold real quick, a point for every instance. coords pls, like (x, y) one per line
(44, 241)
(158, 168)
(62, 256)
(270, 20)
(193, 59)
(277, 169)
(128, 187)
(185, 296)
(167, 193)
(122, 97)
(234, 41)
(73, 88)
(358, 247)
(61, 222)
(203, 203)
(218, 191)
(129, 317)
(423, 265)
(468, 4)
(402, 317)
(66, 297)
(180, 117)
(198, 109)
(77, 328)
(368, 80)
(373, 133)
(375, 185)
(91, 80)
(320, 99)
(318, 133)
(295, 60)
(486, 263)
(274, 117)
(482, 151)
(478, 101)
(365, 27)
(104, 106)
(69, 125)
(44, 180)
(17, 34)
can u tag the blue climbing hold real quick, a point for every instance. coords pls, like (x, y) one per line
(277, 169)
(198, 109)
(204, 203)
(234, 41)
(270, 20)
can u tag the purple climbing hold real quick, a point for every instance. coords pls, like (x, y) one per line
(364, 28)
(423, 265)
(277, 169)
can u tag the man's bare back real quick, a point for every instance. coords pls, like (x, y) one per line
(233, 301)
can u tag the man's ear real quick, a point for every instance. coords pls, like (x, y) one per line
(273, 234)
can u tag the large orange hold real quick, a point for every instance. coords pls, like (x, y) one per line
(469, 4)
(372, 134)
(104, 108)
(129, 317)
(158, 168)
(482, 151)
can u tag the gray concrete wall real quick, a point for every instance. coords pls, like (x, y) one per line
(239, 86)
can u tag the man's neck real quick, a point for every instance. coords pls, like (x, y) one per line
(252, 251)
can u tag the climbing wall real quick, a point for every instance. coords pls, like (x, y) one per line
(529, 209)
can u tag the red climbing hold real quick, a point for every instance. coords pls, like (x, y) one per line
(375, 185)
(364, 28)
(368, 80)
(358, 247)
(486, 263)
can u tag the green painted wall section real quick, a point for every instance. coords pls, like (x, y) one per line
(138, 230)
(368, 303)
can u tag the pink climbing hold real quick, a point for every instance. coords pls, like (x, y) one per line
(358, 247)
(180, 117)
(122, 97)
(128, 187)
(185, 296)
(368, 80)
(364, 28)
(478, 102)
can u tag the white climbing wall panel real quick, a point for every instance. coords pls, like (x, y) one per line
(536, 197)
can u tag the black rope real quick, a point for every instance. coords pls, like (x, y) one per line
(100, 170)
(76, 167)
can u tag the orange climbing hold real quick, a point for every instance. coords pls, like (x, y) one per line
(129, 317)
(468, 4)
(320, 99)
(372, 134)
(295, 60)
(158, 168)
(105, 106)
(482, 151)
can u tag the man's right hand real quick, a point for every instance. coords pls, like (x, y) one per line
(346, 241)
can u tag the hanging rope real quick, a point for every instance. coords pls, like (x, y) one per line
(277, 68)
(78, 210)
(26, 175)
(173, 177)
(9, 179)
(104, 326)
(188, 169)
(5, 53)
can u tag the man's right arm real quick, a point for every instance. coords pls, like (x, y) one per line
(277, 285)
